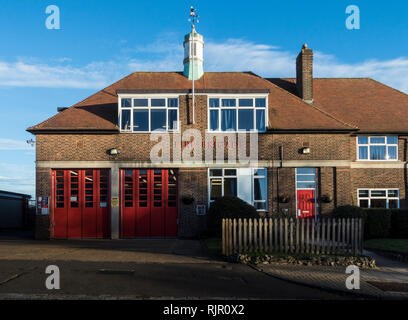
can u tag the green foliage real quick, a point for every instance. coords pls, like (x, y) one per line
(398, 245)
(399, 224)
(377, 223)
(228, 207)
(349, 212)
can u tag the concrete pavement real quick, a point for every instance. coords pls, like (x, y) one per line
(385, 282)
(135, 269)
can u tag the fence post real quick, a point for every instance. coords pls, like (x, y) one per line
(308, 235)
(297, 236)
(281, 234)
(223, 237)
(324, 235)
(361, 235)
(260, 239)
(230, 238)
(343, 235)
(245, 235)
(357, 239)
(286, 234)
(240, 235)
(352, 236)
(291, 249)
(334, 235)
(270, 234)
(312, 240)
(265, 222)
(276, 222)
(255, 234)
(302, 238)
(234, 235)
(328, 236)
(317, 236)
(250, 249)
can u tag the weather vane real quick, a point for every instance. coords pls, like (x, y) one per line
(194, 16)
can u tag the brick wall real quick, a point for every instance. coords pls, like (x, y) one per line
(339, 183)
(192, 182)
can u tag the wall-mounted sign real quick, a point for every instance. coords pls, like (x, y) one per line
(201, 209)
(44, 205)
(115, 202)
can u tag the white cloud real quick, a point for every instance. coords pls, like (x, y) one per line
(10, 144)
(17, 177)
(166, 54)
(26, 74)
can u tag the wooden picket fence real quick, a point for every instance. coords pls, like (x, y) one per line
(323, 236)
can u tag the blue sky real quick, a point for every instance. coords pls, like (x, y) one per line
(101, 41)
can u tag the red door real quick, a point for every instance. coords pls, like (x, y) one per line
(305, 203)
(59, 225)
(141, 212)
(75, 199)
(80, 204)
(147, 209)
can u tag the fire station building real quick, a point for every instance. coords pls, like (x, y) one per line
(321, 143)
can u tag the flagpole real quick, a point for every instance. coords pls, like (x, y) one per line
(192, 68)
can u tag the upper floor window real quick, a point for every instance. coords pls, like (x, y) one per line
(377, 148)
(237, 114)
(148, 114)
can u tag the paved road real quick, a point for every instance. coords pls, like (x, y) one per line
(135, 269)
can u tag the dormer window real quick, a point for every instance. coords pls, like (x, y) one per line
(146, 114)
(237, 114)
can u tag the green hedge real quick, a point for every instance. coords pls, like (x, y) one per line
(378, 223)
(349, 212)
(227, 207)
(399, 224)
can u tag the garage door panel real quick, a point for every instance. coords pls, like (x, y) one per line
(81, 203)
(89, 210)
(59, 222)
(149, 206)
(157, 211)
(143, 203)
(74, 204)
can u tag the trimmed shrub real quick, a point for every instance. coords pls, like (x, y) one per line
(377, 223)
(349, 212)
(227, 207)
(399, 224)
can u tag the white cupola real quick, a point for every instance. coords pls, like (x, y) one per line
(193, 55)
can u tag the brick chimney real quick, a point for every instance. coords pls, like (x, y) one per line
(304, 74)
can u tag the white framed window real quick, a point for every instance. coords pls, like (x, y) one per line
(146, 114)
(260, 179)
(377, 148)
(249, 184)
(223, 182)
(378, 198)
(245, 113)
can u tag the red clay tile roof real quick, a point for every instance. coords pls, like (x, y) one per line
(286, 110)
(362, 102)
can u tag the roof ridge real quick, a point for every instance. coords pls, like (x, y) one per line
(312, 105)
(389, 87)
(76, 104)
(333, 117)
